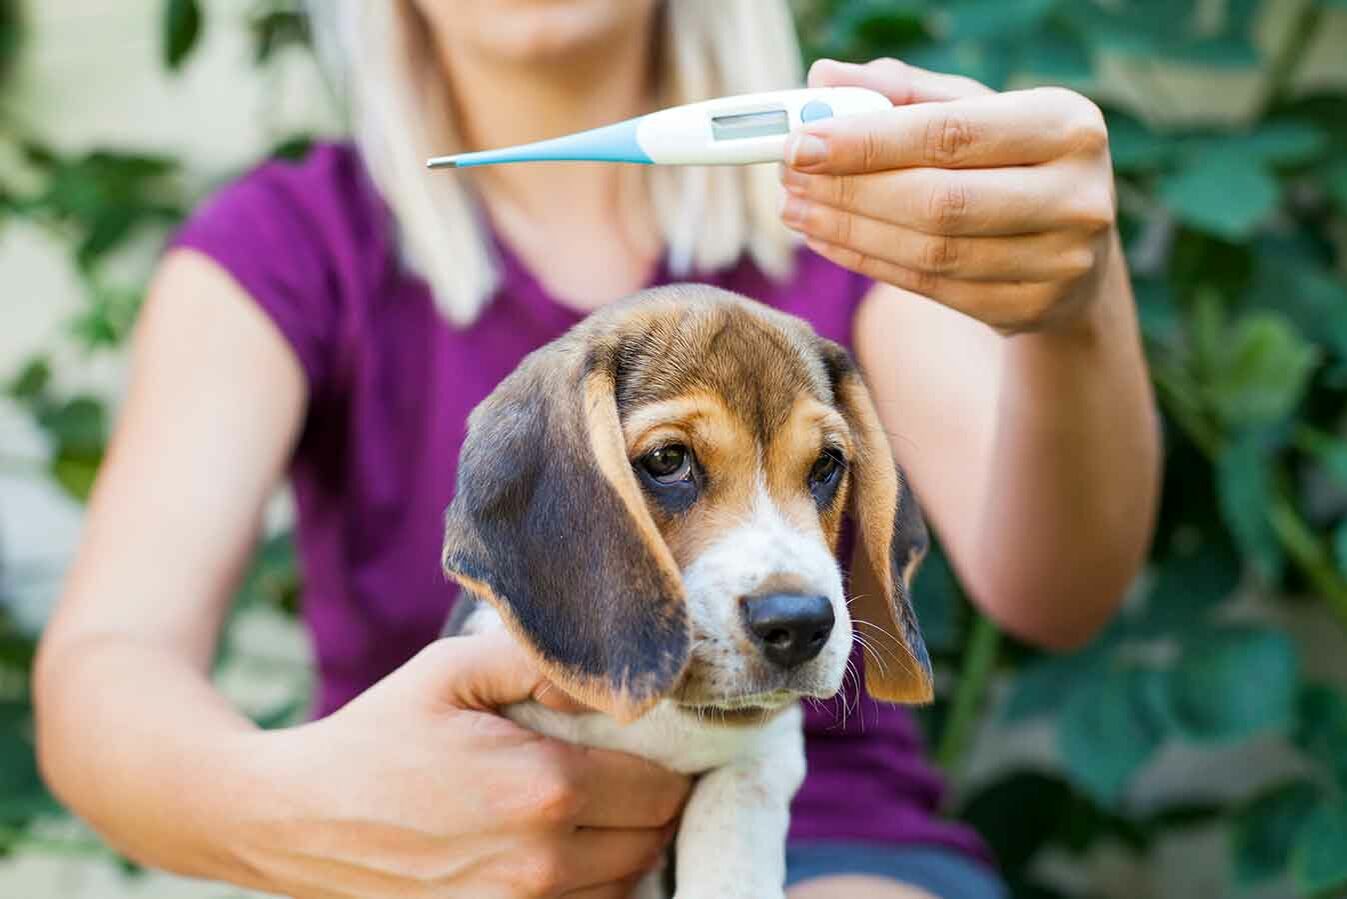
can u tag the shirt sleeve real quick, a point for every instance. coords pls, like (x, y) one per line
(263, 230)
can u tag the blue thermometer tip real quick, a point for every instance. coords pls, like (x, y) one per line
(611, 143)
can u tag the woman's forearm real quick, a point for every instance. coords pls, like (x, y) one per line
(135, 740)
(1066, 518)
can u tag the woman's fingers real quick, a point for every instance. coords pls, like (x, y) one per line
(1031, 257)
(1009, 129)
(1008, 306)
(986, 202)
(621, 790)
(898, 81)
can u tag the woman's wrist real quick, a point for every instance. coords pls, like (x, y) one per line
(247, 785)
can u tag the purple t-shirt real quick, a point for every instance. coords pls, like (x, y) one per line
(391, 384)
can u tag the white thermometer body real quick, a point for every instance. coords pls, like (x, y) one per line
(740, 130)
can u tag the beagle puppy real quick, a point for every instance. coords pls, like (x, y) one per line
(651, 504)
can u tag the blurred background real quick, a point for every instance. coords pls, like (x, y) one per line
(1198, 749)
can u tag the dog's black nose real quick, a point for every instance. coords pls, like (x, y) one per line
(790, 628)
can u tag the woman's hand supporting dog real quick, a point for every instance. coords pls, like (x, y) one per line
(418, 785)
(416, 788)
(1018, 400)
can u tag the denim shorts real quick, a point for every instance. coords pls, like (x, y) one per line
(941, 872)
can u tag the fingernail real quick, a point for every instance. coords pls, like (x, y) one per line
(793, 209)
(806, 149)
(792, 180)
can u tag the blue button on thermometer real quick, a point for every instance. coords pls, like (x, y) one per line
(738, 130)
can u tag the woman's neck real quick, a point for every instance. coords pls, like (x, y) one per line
(499, 103)
(587, 231)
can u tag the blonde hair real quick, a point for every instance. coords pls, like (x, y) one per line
(385, 67)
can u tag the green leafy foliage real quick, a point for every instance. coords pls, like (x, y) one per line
(1229, 194)
(1265, 831)
(1245, 490)
(1234, 683)
(103, 197)
(10, 34)
(1110, 727)
(1321, 729)
(276, 28)
(1320, 856)
(182, 29)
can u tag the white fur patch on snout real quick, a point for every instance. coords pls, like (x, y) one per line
(763, 548)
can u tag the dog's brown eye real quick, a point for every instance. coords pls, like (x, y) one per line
(825, 469)
(668, 464)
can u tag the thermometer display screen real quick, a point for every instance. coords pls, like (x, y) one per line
(749, 124)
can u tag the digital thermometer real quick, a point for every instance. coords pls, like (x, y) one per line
(737, 130)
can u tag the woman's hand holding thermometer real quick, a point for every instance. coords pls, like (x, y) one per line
(738, 130)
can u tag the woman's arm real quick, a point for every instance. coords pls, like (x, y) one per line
(1002, 344)
(1035, 456)
(130, 732)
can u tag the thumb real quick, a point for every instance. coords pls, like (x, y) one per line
(900, 82)
(484, 672)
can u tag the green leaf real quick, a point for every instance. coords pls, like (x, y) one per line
(1264, 831)
(1225, 194)
(1244, 489)
(1156, 310)
(1328, 452)
(285, 713)
(939, 602)
(11, 37)
(21, 789)
(1277, 142)
(182, 28)
(1335, 181)
(31, 382)
(1321, 729)
(1186, 588)
(1020, 814)
(75, 472)
(1042, 687)
(77, 425)
(1233, 683)
(983, 19)
(109, 317)
(1050, 56)
(989, 62)
(293, 148)
(273, 579)
(1292, 278)
(1319, 860)
(275, 29)
(1257, 370)
(1133, 146)
(1108, 730)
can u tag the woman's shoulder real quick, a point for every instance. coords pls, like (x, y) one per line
(324, 188)
(308, 240)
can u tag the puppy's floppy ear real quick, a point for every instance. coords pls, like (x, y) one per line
(549, 525)
(890, 546)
